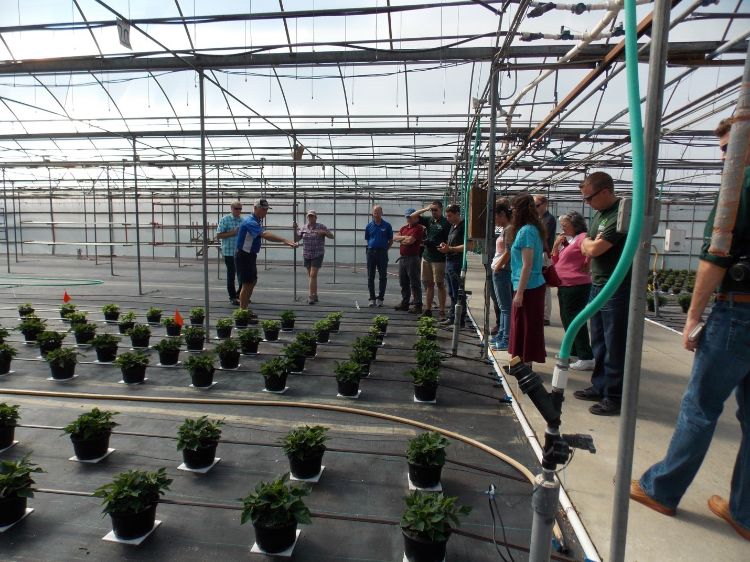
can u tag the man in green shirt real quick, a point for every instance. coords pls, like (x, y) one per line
(433, 261)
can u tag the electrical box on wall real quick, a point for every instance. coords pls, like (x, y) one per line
(674, 240)
(477, 212)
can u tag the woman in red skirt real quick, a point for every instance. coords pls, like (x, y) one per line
(527, 258)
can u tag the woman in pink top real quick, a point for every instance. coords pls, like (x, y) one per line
(575, 283)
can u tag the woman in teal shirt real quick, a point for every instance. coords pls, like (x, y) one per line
(527, 258)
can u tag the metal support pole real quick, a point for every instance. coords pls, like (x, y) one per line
(20, 214)
(137, 218)
(51, 212)
(334, 225)
(490, 218)
(355, 229)
(177, 228)
(204, 203)
(294, 215)
(634, 347)
(15, 223)
(544, 501)
(85, 225)
(110, 217)
(96, 238)
(5, 224)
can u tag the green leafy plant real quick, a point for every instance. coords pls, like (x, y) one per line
(293, 350)
(3, 334)
(335, 316)
(424, 375)
(197, 313)
(168, 322)
(84, 330)
(194, 433)
(7, 351)
(77, 317)
(287, 316)
(307, 340)
(131, 359)
(193, 333)
(380, 322)
(133, 491)
(102, 341)
(168, 344)
(270, 325)
(202, 362)
(25, 309)
(427, 449)
(275, 504)
(92, 424)
(684, 301)
(64, 357)
(31, 327)
(322, 325)
(348, 371)
(426, 345)
(249, 336)
(9, 415)
(50, 337)
(242, 315)
(275, 367)
(111, 309)
(127, 318)
(67, 309)
(140, 331)
(153, 311)
(375, 333)
(228, 346)
(425, 321)
(224, 323)
(306, 441)
(428, 358)
(431, 516)
(426, 331)
(361, 356)
(15, 478)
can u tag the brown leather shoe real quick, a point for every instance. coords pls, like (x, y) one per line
(720, 507)
(637, 494)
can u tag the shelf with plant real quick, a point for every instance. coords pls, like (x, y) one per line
(275, 371)
(198, 439)
(7, 353)
(126, 322)
(322, 329)
(197, 315)
(304, 447)
(271, 329)
(153, 315)
(309, 341)
(287, 320)
(427, 523)
(62, 362)
(132, 366)
(228, 351)
(84, 332)
(130, 501)
(335, 319)
(140, 335)
(66, 310)
(90, 433)
(31, 326)
(168, 350)
(426, 380)
(9, 416)
(224, 327)
(173, 328)
(249, 340)
(49, 340)
(294, 353)
(201, 369)
(111, 312)
(348, 374)
(425, 455)
(105, 346)
(16, 487)
(25, 309)
(275, 509)
(194, 337)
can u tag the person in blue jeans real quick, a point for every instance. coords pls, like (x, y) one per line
(379, 236)
(721, 367)
(501, 280)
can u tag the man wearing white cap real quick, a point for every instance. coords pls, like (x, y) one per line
(313, 236)
(249, 239)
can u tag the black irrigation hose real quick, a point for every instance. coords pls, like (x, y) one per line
(313, 514)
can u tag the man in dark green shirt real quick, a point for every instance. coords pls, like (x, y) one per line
(433, 261)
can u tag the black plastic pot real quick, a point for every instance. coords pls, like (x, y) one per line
(140, 341)
(420, 550)
(201, 457)
(250, 348)
(62, 373)
(348, 388)
(45, 348)
(106, 354)
(111, 316)
(275, 539)
(426, 392)
(271, 335)
(30, 337)
(174, 330)
(154, 318)
(197, 321)
(365, 369)
(275, 384)
(134, 375)
(229, 360)
(7, 432)
(5, 365)
(93, 448)
(323, 336)
(123, 327)
(202, 378)
(133, 525)
(83, 339)
(312, 350)
(379, 336)
(169, 357)
(12, 509)
(194, 344)
(240, 323)
(298, 364)
(307, 467)
(335, 325)
(223, 333)
(424, 475)
(287, 325)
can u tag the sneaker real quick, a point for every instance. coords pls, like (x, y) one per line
(441, 317)
(416, 309)
(315, 298)
(582, 365)
(372, 303)
(637, 494)
(380, 303)
(311, 300)
(235, 301)
(589, 394)
(500, 346)
(427, 312)
(606, 407)
(401, 306)
(720, 507)
(446, 321)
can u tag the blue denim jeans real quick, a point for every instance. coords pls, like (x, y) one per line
(453, 283)
(504, 292)
(377, 258)
(609, 330)
(721, 366)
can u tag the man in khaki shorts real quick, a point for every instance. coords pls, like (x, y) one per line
(433, 261)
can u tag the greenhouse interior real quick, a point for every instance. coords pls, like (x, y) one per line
(492, 254)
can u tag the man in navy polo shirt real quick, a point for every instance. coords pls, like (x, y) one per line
(379, 236)
(249, 239)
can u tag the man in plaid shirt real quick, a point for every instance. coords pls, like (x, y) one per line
(313, 235)
(227, 232)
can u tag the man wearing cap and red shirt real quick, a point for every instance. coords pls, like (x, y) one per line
(313, 236)
(410, 236)
(249, 239)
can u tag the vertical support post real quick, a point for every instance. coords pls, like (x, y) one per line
(137, 217)
(355, 229)
(51, 212)
(96, 238)
(5, 223)
(153, 229)
(204, 203)
(334, 225)
(177, 223)
(15, 223)
(294, 215)
(490, 218)
(85, 223)
(110, 218)
(20, 213)
(634, 347)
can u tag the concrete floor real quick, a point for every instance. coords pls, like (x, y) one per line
(695, 534)
(370, 482)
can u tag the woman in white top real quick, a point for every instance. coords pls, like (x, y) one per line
(501, 273)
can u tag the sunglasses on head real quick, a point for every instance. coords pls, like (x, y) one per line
(236, 208)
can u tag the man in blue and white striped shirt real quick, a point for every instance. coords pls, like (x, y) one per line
(227, 230)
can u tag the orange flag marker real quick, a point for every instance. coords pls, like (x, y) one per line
(178, 318)
(66, 297)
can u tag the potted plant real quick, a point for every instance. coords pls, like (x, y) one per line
(201, 369)
(287, 320)
(198, 439)
(105, 346)
(274, 373)
(7, 353)
(66, 310)
(153, 315)
(249, 340)
(197, 315)
(376, 334)
(275, 508)
(77, 317)
(362, 357)
(132, 366)
(335, 319)
(194, 337)
(368, 342)
(31, 326)
(348, 374)
(380, 322)
(428, 357)
(111, 312)
(9, 417)
(49, 340)
(169, 350)
(242, 317)
(84, 332)
(130, 500)
(427, 523)
(3, 334)
(126, 322)
(425, 382)
(684, 300)
(173, 328)
(25, 310)
(427, 345)
(224, 328)
(15, 489)
(304, 447)
(140, 335)
(228, 351)
(426, 457)
(322, 329)
(270, 329)
(427, 332)
(294, 353)
(309, 342)
(90, 433)
(62, 363)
